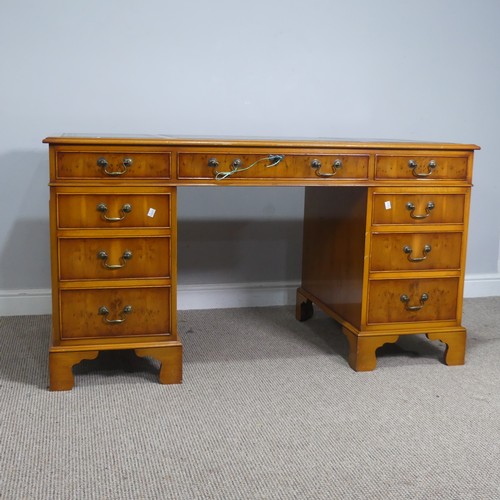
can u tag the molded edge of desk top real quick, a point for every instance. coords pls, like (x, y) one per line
(165, 140)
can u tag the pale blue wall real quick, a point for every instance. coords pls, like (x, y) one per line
(426, 70)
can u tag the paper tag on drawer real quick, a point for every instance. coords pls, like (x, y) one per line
(387, 205)
(151, 212)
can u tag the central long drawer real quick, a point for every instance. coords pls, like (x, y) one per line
(243, 165)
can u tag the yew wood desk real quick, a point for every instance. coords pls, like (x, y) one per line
(385, 230)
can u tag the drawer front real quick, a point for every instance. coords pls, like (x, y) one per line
(115, 312)
(421, 167)
(402, 301)
(213, 165)
(418, 208)
(113, 211)
(415, 251)
(106, 164)
(114, 258)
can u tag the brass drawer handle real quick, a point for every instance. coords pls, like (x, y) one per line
(425, 251)
(103, 164)
(103, 208)
(237, 165)
(104, 311)
(316, 164)
(127, 255)
(405, 299)
(430, 168)
(411, 207)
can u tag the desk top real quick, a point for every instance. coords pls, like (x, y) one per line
(323, 143)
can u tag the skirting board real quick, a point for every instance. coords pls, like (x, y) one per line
(220, 296)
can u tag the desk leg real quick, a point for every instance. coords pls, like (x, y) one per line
(455, 345)
(303, 307)
(362, 349)
(170, 358)
(61, 368)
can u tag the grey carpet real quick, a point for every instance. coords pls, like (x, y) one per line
(269, 409)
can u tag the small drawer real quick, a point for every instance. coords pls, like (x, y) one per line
(418, 208)
(421, 167)
(415, 251)
(112, 211)
(115, 312)
(234, 166)
(402, 301)
(113, 258)
(107, 163)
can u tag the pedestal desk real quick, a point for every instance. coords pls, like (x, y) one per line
(385, 231)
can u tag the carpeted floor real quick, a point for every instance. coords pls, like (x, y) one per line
(269, 409)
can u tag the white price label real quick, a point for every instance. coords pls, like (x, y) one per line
(151, 212)
(387, 205)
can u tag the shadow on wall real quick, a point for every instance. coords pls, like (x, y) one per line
(218, 250)
(239, 251)
(25, 256)
(24, 221)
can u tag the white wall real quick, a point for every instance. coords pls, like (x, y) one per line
(424, 70)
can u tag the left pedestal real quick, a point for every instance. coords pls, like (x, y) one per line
(113, 254)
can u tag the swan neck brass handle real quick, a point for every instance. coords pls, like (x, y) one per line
(414, 166)
(127, 255)
(411, 207)
(103, 208)
(104, 312)
(406, 300)
(425, 251)
(316, 164)
(103, 164)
